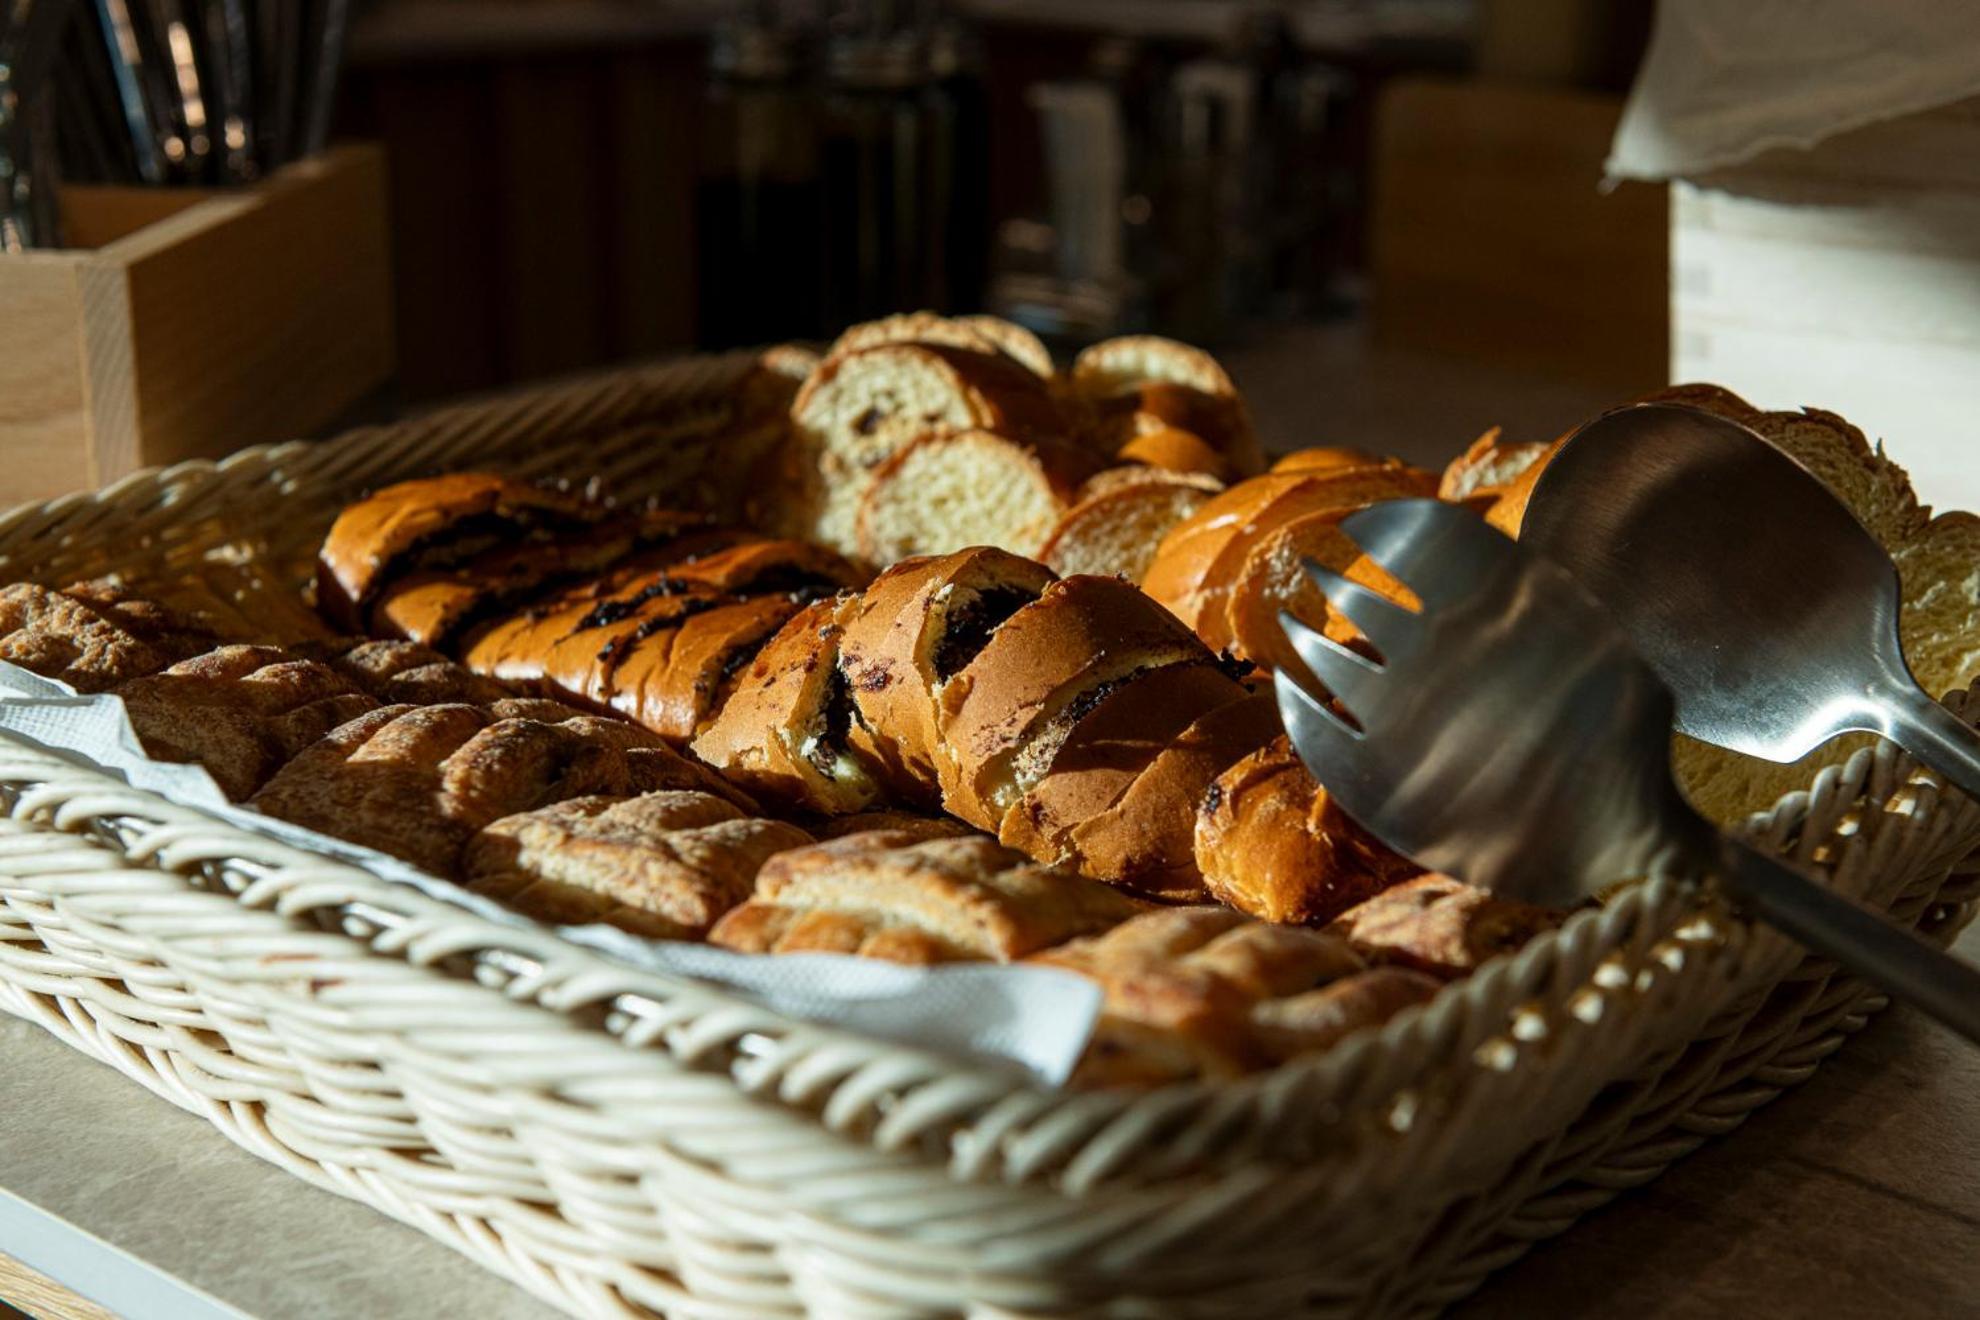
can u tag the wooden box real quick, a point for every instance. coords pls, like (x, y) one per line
(1846, 275)
(186, 323)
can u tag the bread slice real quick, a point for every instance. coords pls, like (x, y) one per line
(1146, 841)
(1096, 749)
(1081, 635)
(783, 731)
(1486, 467)
(863, 407)
(1273, 579)
(885, 894)
(1142, 383)
(672, 681)
(1172, 450)
(1330, 458)
(1108, 480)
(1116, 531)
(917, 627)
(1272, 843)
(1441, 926)
(1196, 568)
(664, 865)
(1015, 341)
(945, 492)
(1207, 993)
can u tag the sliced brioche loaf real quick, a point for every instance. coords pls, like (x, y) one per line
(917, 627)
(1143, 383)
(1116, 530)
(945, 492)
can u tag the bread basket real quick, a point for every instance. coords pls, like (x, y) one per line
(622, 1143)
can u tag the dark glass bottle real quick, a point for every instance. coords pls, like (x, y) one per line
(758, 202)
(876, 170)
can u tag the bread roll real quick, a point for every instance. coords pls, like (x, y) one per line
(400, 673)
(1273, 579)
(1439, 925)
(665, 865)
(672, 681)
(1272, 843)
(90, 642)
(946, 492)
(783, 731)
(240, 711)
(1198, 564)
(1093, 751)
(1116, 531)
(888, 895)
(917, 627)
(1146, 841)
(1080, 635)
(1206, 993)
(1143, 383)
(863, 407)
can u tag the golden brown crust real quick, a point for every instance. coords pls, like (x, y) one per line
(1172, 450)
(1508, 510)
(1441, 926)
(1081, 633)
(1272, 843)
(407, 673)
(908, 636)
(889, 895)
(417, 781)
(1331, 458)
(1273, 579)
(1099, 755)
(378, 536)
(1147, 840)
(672, 682)
(90, 638)
(240, 711)
(664, 864)
(1486, 467)
(1196, 567)
(1204, 992)
(782, 732)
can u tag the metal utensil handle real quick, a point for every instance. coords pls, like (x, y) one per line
(1828, 924)
(1936, 736)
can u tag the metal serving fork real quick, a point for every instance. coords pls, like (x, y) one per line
(1511, 736)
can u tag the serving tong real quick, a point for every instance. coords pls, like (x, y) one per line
(1511, 736)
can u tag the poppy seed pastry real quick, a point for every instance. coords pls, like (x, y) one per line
(891, 895)
(664, 865)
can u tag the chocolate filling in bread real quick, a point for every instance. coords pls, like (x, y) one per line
(826, 747)
(968, 628)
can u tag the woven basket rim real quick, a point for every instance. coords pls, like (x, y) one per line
(1330, 1078)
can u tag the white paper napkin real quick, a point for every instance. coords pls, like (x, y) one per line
(1724, 82)
(1034, 1018)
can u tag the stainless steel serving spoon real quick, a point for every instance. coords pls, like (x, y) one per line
(1769, 611)
(1511, 736)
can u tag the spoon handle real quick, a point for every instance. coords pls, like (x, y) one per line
(1937, 737)
(1859, 939)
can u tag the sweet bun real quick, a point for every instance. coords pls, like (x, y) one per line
(783, 731)
(1080, 635)
(915, 629)
(1271, 842)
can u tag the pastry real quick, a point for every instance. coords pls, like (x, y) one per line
(890, 895)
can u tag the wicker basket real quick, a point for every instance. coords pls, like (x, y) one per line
(621, 1143)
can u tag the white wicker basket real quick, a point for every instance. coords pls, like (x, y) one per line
(622, 1143)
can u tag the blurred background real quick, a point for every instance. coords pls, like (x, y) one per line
(1382, 213)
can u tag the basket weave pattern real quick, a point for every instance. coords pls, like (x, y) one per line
(620, 1142)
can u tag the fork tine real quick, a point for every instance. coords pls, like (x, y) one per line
(1321, 736)
(1341, 671)
(1440, 551)
(1380, 619)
